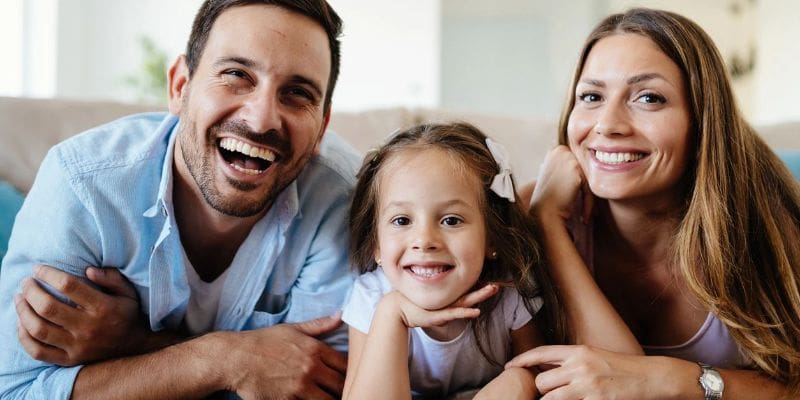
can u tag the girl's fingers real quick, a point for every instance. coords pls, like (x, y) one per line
(477, 296)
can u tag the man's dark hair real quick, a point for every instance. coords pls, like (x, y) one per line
(318, 10)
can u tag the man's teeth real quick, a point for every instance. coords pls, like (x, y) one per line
(232, 144)
(246, 170)
(428, 272)
(617, 158)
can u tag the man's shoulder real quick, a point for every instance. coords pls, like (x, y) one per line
(338, 157)
(335, 166)
(118, 143)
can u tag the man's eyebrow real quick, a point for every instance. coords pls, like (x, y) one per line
(237, 60)
(302, 80)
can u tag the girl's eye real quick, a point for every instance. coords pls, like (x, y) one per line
(651, 98)
(451, 221)
(401, 221)
(589, 97)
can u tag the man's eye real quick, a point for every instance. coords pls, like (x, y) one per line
(234, 73)
(401, 221)
(451, 221)
(301, 93)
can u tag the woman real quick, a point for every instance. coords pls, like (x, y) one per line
(685, 245)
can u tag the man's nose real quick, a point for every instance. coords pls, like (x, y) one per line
(262, 111)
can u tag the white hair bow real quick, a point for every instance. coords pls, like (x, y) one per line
(502, 183)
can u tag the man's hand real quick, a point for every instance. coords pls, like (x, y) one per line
(283, 361)
(99, 326)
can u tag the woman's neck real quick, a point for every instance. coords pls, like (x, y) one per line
(640, 235)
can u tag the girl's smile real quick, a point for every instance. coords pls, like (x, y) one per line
(431, 230)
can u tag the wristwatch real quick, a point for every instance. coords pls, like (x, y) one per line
(711, 382)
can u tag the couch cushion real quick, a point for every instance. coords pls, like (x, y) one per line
(29, 127)
(10, 203)
(792, 160)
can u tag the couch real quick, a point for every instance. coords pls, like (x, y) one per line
(29, 127)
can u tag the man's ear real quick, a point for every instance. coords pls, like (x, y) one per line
(325, 120)
(177, 84)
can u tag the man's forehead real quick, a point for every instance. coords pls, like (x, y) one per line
(259, 32)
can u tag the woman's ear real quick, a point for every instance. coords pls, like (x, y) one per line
(177, 84)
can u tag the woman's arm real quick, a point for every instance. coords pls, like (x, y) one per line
(592, 319)
(581, 371)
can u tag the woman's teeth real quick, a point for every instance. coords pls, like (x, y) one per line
(617, 158)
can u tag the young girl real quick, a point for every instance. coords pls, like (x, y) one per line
(451, 272)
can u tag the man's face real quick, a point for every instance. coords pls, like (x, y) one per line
(252, 113)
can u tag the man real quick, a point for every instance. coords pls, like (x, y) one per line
(227, 216)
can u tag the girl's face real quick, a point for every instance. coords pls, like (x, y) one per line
(431, 231)
(629, 128)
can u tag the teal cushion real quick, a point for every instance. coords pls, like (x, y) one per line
(10, 202)
(792, 160)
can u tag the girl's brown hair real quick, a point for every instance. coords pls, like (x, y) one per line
(509, 229)
(738, 242)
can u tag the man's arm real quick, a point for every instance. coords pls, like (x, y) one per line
(284, 359)
(103, 323)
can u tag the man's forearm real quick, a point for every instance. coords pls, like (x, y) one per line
(184, 370)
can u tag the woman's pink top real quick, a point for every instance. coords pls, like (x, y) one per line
(712, 344)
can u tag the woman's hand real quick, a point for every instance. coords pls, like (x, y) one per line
(584, 372)
(415, 316)
(559, 183)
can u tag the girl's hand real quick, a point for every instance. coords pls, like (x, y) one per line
(559, 183)
(415, 316)
(583, 372)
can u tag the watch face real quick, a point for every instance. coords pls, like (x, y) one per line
(713, 381)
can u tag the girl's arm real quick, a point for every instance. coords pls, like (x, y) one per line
(592, 319)
(379, 360)
(516, 382)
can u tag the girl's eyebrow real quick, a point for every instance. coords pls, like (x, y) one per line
(403, 203)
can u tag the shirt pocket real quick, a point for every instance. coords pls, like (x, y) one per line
(270, 310)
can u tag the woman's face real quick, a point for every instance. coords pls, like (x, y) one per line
(629, 128)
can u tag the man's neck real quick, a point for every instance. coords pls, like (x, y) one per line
(209, 238)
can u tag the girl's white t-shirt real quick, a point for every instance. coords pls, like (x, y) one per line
(440, 368)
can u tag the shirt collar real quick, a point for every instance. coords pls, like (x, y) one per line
(169, 128)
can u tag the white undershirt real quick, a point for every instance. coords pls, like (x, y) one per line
(201, 311)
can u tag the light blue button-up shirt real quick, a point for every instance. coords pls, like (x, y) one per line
(104, 198)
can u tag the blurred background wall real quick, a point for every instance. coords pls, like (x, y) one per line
(503, 57)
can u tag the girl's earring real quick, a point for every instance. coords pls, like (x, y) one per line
(493, 255)
(378, 261)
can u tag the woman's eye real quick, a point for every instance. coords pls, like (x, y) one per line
(451, 221)
(589, 97)
(650, 98)
(401, 221)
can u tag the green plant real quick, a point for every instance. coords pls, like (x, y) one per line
(150, 82)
